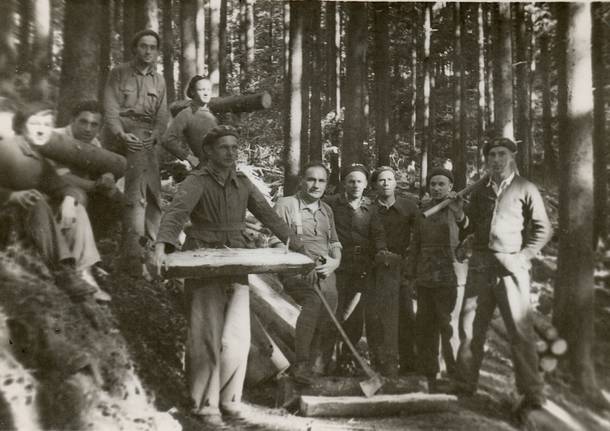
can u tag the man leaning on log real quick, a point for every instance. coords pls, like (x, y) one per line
(510, 226)
(313, 222)
(215, 198)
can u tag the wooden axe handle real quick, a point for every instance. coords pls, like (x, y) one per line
(464, 192)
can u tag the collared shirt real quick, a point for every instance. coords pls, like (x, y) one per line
(131, 92)
(217, 209)
(189, 127)
(398, 222)
(498, 189)
(317, 229)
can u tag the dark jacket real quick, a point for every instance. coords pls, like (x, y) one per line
(398, 222)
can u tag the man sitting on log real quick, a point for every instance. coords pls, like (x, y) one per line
(510, 227)
(53, 218)
(215, 198)
(313, 222)
(361, 234)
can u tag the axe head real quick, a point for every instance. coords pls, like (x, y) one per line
(371, 386)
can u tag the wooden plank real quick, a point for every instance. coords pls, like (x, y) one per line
(211, 262)
(378, 405)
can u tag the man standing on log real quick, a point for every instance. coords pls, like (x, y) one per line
(313, 222)
(392, 324)
(215, 198)
(361, 234)
(510, 227)
(136, 117)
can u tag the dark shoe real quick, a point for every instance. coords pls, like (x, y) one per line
(439, 386)
(302, 373)
(212, 422)
(461, 389)
(68, 279)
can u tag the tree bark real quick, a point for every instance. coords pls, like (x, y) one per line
(356, 43)
(188, 60)
(214, 55)
(247, 35)
(481, 84)
(573, 312)
(427, 132)
(503, 74)
(414, 44)
(491, 72)
(381, 61)
(286, 72)
(306, 83)
(129, 24)
(333, 61)
(200, 38)
(459, 111)
(523, 90)
(168, 51)
(222, 50)
(599, 123)
(25, 33)
(105, 29)
(40, 61)
(550, 158)
(292, 147)
(8, 48)
(315, 119)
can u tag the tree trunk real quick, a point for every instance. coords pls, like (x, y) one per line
(168, 50)
(188, 60)
(286, 72)
(573, 312)
(315, 119)
(459, 110)
(333, 60)
(106, 25)
(148, 16)
(503, 79)
(414, 44)
(8, 49)
(599, 127)
(491, 72)
(40, 62)
(550, 158)
(381, 61)
(427, 133)
(523, 89)
(25, 35)
(247, 34)
(356, 41)
(222, 49)
(292, 147)
(214, 57)
(200, 38)
(481, 85)
(306, 83)
(129, 24)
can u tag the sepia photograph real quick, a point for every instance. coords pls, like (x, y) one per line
(304, 215)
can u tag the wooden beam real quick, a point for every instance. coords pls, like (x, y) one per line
(378, 405)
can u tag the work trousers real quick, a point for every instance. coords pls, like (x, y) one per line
(406, 330)
(500, 280)
(218, 342)
(435, 305)
(314, 327)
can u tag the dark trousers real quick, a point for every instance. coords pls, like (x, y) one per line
(434, 307)
(500, 280)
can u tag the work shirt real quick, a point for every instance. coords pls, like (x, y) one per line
(360, 232)
(189, 127)
(317, 224)
(64, 169)
(217, 209)
(24, 168)
(398, 221)
(139, 96)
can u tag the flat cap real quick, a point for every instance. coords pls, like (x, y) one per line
(354, 167)
(440, 171)
(499, 142)
(218, 132)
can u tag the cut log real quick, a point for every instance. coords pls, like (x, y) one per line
(234, 104)
(277, 315)
(548, 363)
(378, 405)
(544, 328)
(212, 262)
(559, 347)
(87, 157)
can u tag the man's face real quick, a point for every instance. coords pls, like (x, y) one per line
(203, 90)
(147, 49)
(354, 184)
(313, 183)
(440, 186)
(223, 153)
(39, 127)
(386, 183)
(86, 125)
(499, 161)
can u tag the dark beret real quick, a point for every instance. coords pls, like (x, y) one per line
(354, 167)
(139, 35)
(440, 171)
(379, 170)
(218, 132)
(499, 142)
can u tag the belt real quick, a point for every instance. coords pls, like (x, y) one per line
(218, 227)
(138, 117)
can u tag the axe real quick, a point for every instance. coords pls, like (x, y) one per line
(374, 382)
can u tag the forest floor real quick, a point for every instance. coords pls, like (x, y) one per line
(150, 317)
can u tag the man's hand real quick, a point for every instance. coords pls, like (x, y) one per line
(456, 205)
(160, 258)
(425, 199)
(25, 198)
(328, 267)
(132, 141)
(193, 161)
(68, 212)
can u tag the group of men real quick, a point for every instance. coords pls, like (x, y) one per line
(374, 256)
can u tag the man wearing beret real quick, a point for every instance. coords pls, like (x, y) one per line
(510, 226)
(361, 235)
(215, 198)
(135, 118)
(438, 277)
